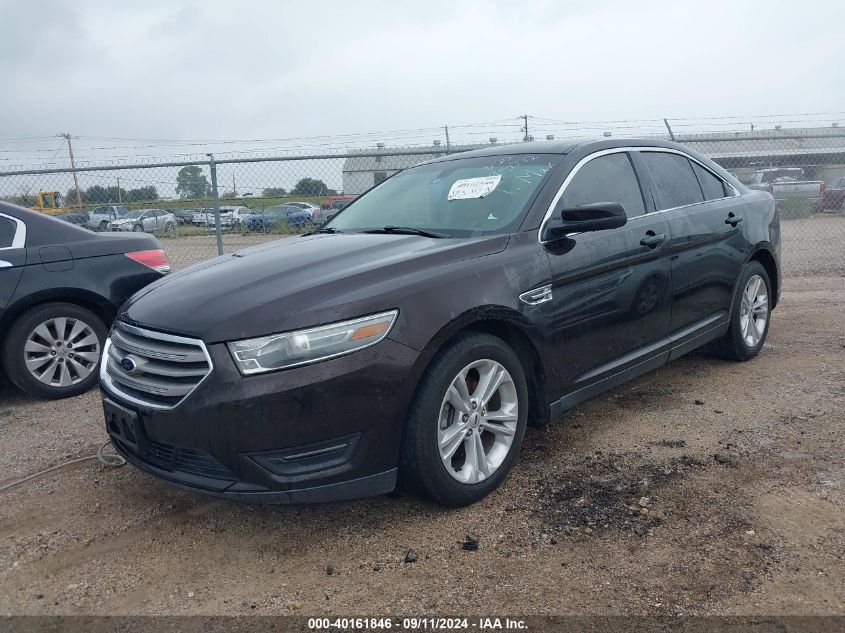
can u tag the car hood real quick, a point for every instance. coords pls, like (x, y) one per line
(297, 282)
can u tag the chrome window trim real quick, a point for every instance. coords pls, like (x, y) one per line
(19, 241)
(106, 380)
(617, 150)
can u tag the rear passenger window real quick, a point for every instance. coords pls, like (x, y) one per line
(7, 232)
(712, 186)
(608, 178)
(674, 179)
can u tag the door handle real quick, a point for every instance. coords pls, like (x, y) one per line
(732, 219)
(652, 240)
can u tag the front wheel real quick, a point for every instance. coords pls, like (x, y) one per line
(137, 228)
(750, 317)
(467, 421)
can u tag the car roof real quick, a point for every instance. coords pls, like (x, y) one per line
(562, 146)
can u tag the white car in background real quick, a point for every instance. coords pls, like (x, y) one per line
(230, 216)
(200, 217)
(145, 220)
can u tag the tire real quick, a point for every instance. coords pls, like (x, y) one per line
(104, 225)
(169, 227)
(459, 480)
(741, 343)
(23, 344)
(137, 228)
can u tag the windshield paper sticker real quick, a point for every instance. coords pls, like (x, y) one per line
(474, 187)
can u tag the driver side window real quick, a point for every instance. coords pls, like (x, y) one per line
(609, 178)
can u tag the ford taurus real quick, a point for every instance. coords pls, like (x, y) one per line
(413, 337)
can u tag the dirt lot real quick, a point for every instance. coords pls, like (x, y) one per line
(704, 487)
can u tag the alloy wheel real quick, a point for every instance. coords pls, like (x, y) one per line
(61, 352)
(754, 311)
(478, 420)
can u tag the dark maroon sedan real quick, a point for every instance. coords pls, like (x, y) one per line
(834, 196)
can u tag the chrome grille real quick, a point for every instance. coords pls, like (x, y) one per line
(152, 369)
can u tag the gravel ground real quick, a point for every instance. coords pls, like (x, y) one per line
(703, 487)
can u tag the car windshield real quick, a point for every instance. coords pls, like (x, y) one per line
(464, 197)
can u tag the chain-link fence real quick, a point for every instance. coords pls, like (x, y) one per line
(200, 208)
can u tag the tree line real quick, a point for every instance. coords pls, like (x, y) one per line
(191, 183)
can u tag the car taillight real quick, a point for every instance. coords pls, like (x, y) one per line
(824, 188)
(157, 260)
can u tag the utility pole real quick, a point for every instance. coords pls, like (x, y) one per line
(234, 187)
(66, 136)
(119, 197)
(446, 128)
(527, 137)
(216, 197)
(669, 127)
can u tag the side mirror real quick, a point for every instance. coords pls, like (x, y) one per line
(598, 216)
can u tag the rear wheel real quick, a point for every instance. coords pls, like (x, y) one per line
(467, 421)
(53, 350)
(169, 227)
(752, 311)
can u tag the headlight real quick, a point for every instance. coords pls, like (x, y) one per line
(277, 351)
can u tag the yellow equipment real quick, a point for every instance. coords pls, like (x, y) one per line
(50, 202)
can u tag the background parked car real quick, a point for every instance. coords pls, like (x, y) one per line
(200, 217)
(145, 220)
(306, 206)
(276, 217)
(100, 217)
(183, 216)
(60, 288)
(230, 216)
(331, 210)
(332, 200)
(795, 195)
(79, 219)
(834, 195)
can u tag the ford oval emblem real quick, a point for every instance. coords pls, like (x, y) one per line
(128, 364)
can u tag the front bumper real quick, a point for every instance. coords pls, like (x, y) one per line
(316, 433)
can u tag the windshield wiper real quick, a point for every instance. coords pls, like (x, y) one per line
(406, 230)
(327, 229)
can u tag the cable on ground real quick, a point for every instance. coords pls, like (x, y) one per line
(112, 460)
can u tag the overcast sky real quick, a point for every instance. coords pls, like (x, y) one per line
(165, 69)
